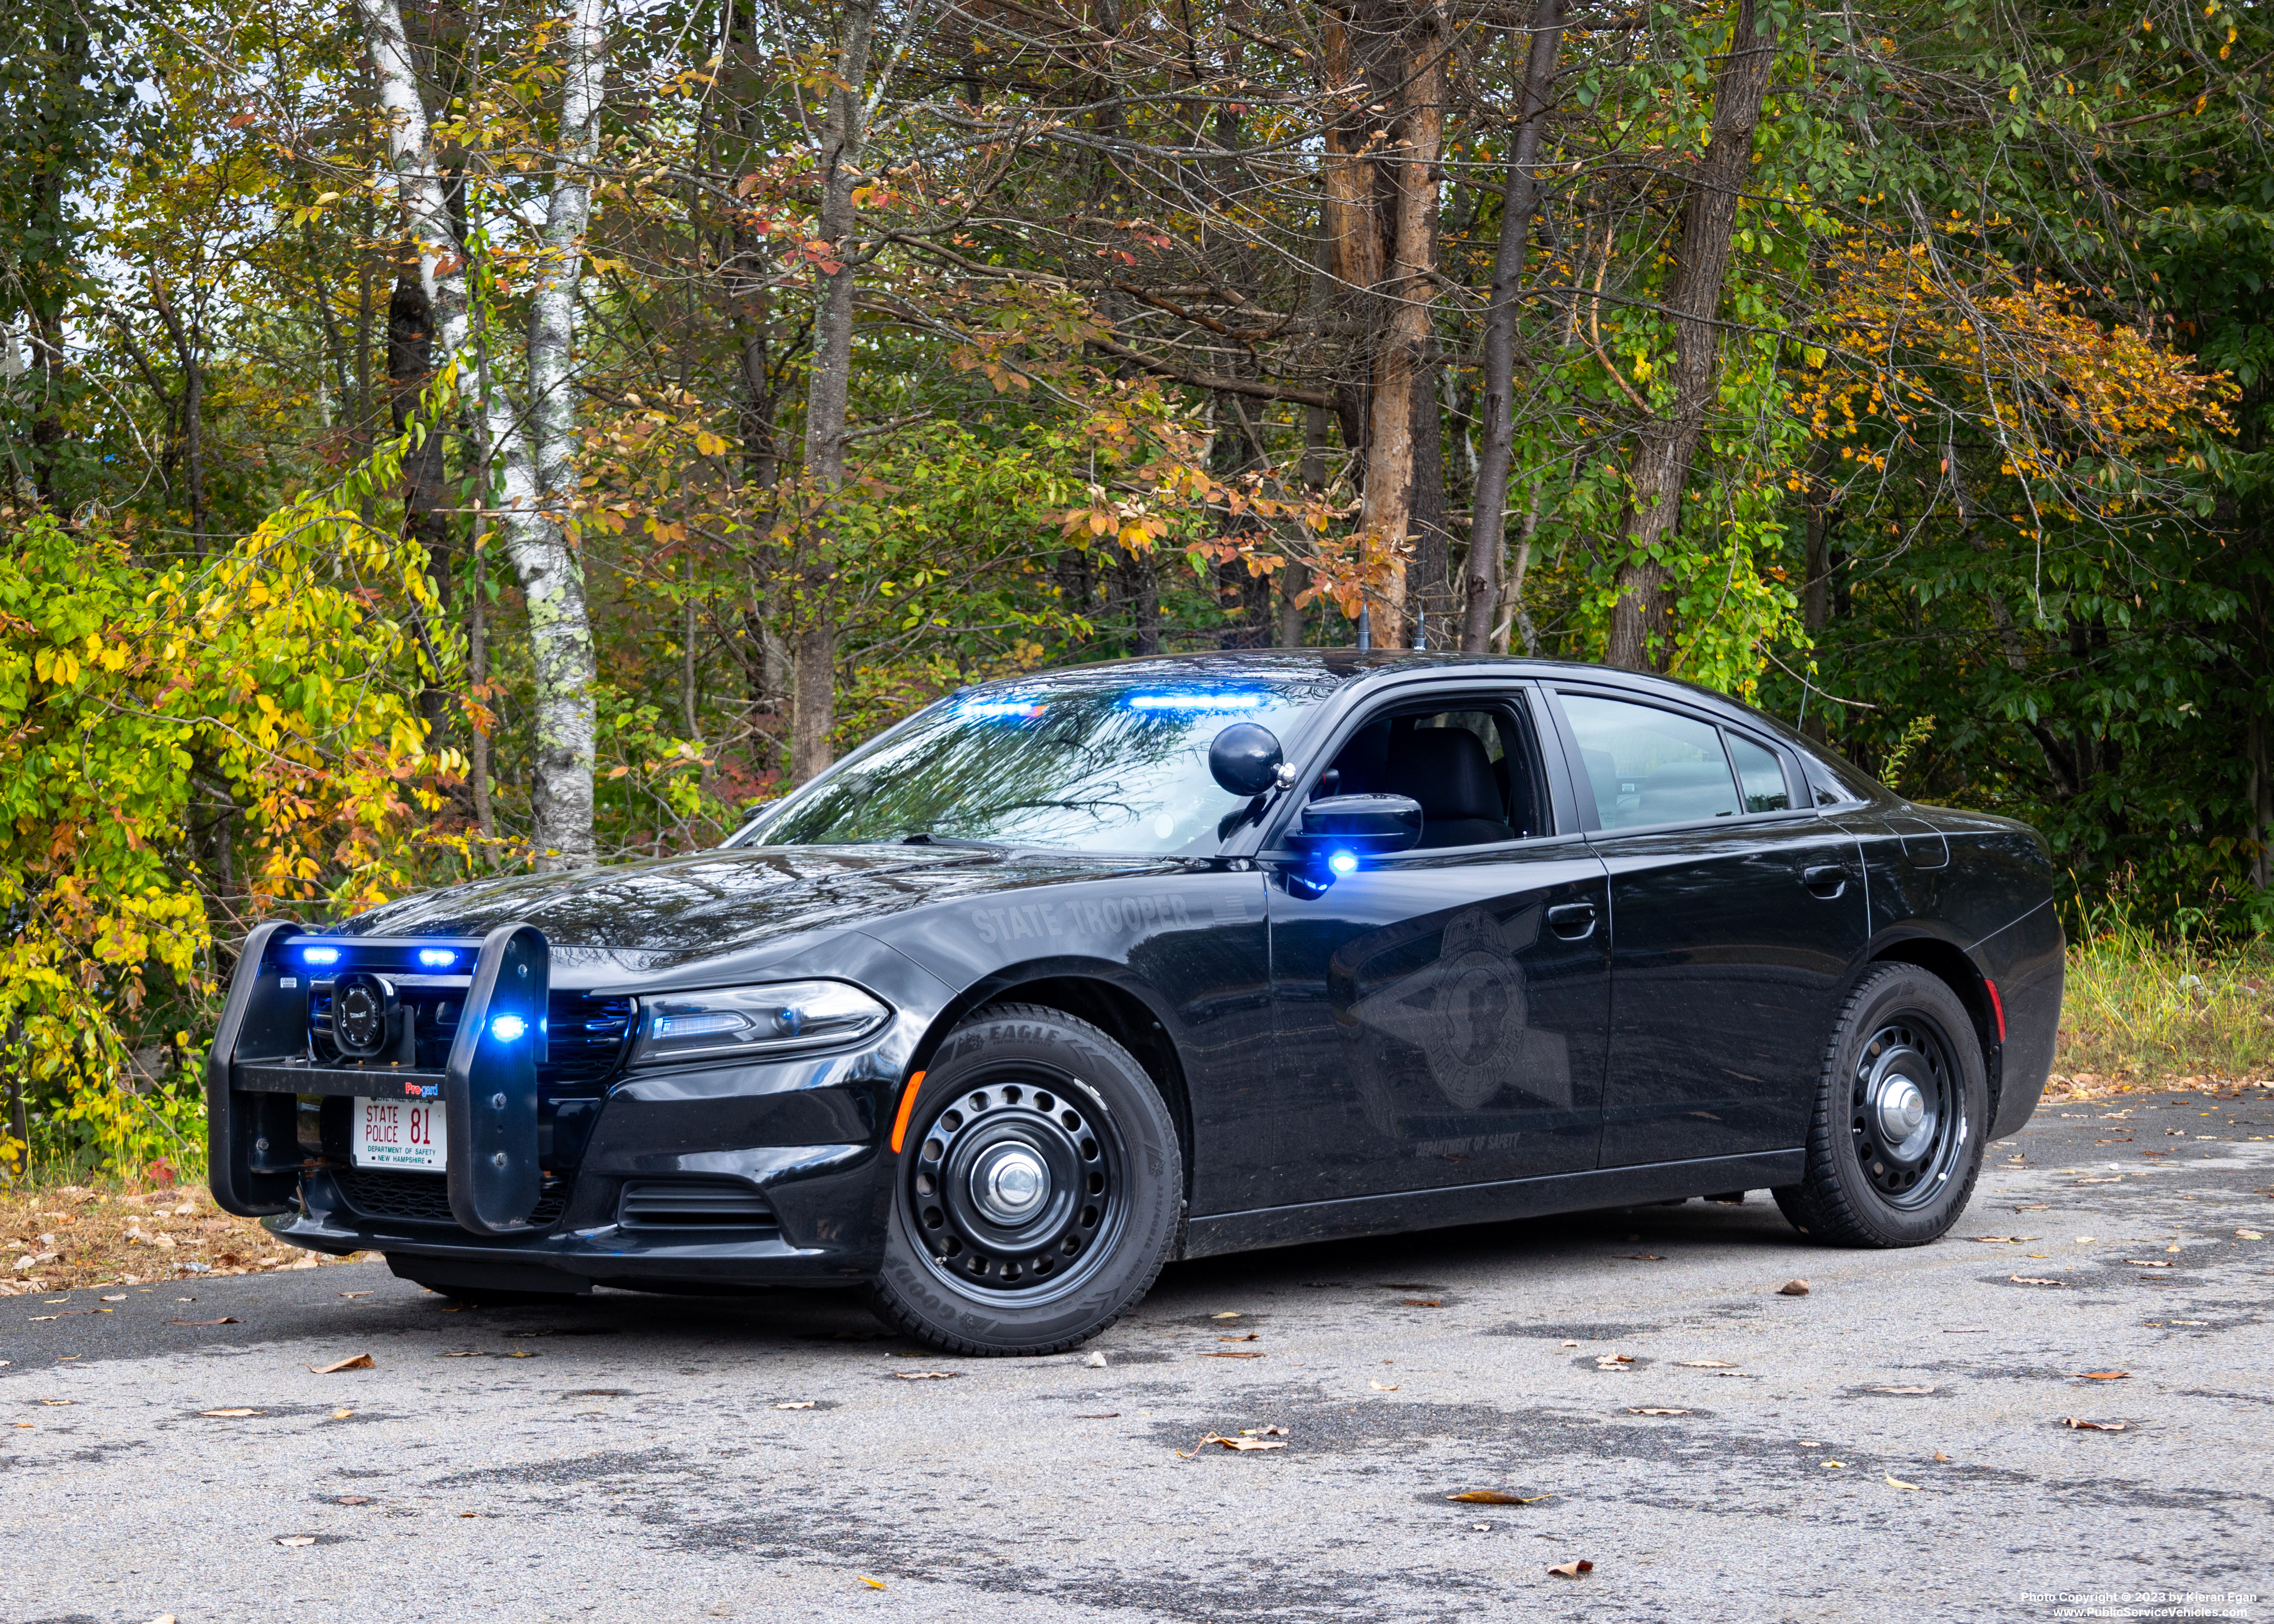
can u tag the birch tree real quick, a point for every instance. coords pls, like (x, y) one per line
(523, 447)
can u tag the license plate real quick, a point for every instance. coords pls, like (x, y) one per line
(401, 1134)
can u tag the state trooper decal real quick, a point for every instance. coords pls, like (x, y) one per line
(1468, 1015)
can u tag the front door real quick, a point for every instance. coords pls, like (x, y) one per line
(1735, 920)
(1442, 1014)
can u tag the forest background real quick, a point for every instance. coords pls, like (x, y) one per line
(449, 436)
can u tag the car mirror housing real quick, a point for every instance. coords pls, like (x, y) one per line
(1245, 758)
(1365, 825)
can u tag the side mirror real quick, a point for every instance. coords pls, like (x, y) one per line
(1367, 825)
(1245, 758)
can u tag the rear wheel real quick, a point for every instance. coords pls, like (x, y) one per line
(1901, 1108)
(1040, 1191)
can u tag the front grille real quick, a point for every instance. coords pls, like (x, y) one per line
(424, 1198)
(694, 1204)
(584, 1034)
(584, 1038)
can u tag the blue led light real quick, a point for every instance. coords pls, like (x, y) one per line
(506, 1029)
(437, 957)
(1003, 707)
(1194, 701)
(321, 955)
(1344, 862)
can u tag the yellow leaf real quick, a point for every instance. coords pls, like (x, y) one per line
(874, 1584)
(1897, 1483)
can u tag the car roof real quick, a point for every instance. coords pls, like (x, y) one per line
(1354, 665)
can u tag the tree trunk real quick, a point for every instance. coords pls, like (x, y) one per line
(409, 369)
(844, 134)
(1379, 203)
(539, 472)
(1430, 588)
(194, 414)
(1519, 201)
(528, 449)
(1642, 628)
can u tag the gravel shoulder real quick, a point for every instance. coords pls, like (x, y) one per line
(649, 1458)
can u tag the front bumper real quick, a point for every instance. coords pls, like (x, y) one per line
(806, 1139)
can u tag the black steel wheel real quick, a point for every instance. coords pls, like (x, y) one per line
(1039, 1192)
(1902, 1110)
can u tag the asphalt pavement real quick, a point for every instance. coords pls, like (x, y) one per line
(1893, 1444)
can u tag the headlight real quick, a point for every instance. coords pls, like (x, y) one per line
(756, 1021)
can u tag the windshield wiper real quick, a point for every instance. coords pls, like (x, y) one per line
(924, 837)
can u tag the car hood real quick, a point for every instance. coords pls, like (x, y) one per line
(655, 915)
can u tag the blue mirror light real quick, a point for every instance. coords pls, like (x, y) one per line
(321, 955)
(506, 1029)
(437, 957)
(1344, 862)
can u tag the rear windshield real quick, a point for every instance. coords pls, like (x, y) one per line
(1100, 766)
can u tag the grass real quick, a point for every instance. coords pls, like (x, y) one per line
(128, 1234)
(2143, 1012)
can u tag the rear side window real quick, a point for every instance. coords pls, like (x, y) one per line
(1649, 766)
(1760, 776)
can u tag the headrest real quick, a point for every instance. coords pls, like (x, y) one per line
(1446, 771)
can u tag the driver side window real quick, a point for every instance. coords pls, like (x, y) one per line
(1472, 769)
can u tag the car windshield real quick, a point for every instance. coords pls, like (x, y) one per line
(1110, 766)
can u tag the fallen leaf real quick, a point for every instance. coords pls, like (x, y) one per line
(224, 1319)
(2031, 1280)
(1251, 1336)
(297, 1539)
(1640, 1257)
(1706, 1364)
(1895, 1482)
(1109, 1414)
(354, 1294)
(1227, 1315)
(37, 1318)
(351, 1500)
(1830, 1465)
(360, 1361)
(1241, 1444)
(1095, 1360)
(1572, 1570)
(1926, 1389)
(2105, 1375)
(119, 1298)
(229, 1412)
(2093, 1427)
(1383, 1387)
(1263, 1432)
(55, 1402)
(1494, 1496)
(803, 1403)
(342, 1414)
(874, 1584)
(926, 1375)
(1424, 1302)
(2150, 1262)
(1225, 1354)
(1632, 1411)
(2241, 1235)
(1793, 1288)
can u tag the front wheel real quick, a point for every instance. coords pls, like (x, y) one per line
(1901, 1107)
(1040, 1191)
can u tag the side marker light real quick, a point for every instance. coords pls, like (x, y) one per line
(1997, 1006)
(907, 1105)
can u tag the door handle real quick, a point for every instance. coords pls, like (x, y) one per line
(1574, 922)
(1826, 880)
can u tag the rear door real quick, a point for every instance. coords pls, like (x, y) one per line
(1735, 914)
(1441, 1015)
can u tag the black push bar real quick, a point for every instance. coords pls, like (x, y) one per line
(264, 1058)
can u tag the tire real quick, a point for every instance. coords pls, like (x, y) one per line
(1863, 1186)
(1040, 1193)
